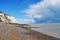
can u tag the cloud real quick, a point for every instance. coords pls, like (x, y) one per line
(44, 11)
(26, 21)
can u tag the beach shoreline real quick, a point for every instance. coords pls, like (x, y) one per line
(42, 35)
(12, 32)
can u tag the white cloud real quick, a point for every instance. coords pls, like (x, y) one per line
(37, 9)
(38, 16)
(44, 9)
(26, 21)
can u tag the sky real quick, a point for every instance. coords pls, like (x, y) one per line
(32, 11)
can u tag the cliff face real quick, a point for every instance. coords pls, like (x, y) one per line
(6, 18)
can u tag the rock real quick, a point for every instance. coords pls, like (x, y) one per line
(6, 18)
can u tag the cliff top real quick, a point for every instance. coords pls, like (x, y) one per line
(1, 12)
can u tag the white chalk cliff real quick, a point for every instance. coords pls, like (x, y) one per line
(6, 18)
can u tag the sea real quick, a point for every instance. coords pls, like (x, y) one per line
(51, 29)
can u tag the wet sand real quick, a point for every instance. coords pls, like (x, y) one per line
(19, 33)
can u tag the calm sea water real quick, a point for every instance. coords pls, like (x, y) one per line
(49, 29)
